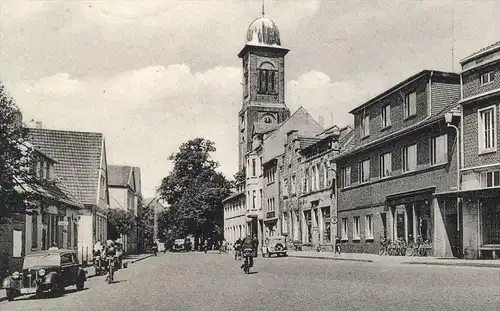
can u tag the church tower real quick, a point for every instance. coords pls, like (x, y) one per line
(263, 60)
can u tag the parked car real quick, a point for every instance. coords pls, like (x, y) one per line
(274, 245)
(45, 271)
(179, 246)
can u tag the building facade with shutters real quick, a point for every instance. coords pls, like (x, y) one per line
(403, 158)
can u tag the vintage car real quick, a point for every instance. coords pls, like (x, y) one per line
(179, 246)
(45, 271)
(274, 245)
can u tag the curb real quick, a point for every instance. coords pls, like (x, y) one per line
(331, 258)
(456, 264)
(129, 262)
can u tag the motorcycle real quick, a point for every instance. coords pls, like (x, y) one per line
(247, 254)
(155, 250)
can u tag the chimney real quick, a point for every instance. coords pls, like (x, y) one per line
(321, 121)
(38, 125)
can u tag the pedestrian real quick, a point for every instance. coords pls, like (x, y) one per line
(337, 245)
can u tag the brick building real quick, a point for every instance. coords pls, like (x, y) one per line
(274, 165)
(317, 201)
(404, 155)
(480, 157)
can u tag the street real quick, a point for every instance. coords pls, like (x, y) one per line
(195, 281)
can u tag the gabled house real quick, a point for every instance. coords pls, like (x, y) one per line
(82, 167)
(157, 206)
(51, 217)
(125, 193)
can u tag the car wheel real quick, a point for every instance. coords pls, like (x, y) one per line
(10, 295)
(268, 254)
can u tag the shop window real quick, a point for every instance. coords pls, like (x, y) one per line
(326, 224)
(34, 231)
(491, 222)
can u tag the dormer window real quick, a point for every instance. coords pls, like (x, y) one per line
(487, 78)
(365, 126)
(410, 104)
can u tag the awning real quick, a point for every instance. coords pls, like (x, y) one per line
(472, 193)
(410, 196)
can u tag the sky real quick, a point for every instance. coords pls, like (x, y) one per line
(151, 75)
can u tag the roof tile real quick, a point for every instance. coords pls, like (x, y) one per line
(79, 159)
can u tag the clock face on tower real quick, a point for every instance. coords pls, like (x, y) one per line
(268, 118)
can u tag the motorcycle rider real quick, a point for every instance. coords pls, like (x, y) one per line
(155, 247)
(110, 253)
(248, 246)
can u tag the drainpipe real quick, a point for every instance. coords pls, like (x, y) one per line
(448, 118)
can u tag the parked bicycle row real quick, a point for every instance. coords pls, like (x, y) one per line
(416, 247)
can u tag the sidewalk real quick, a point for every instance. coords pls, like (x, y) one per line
(128, 260)
(395, 260)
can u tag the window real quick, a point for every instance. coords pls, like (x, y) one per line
(356, 228)
(270, 205)
(285, 186)
(254, 166)
(103, 188)
(305, 185)
(487, 78)
(292, 186)
(68, 235)
(369, 227)
(66, 258)
(489, 179)
(365, 126)
(385, 165)
(254, 199)
(47, 171)
(343, 233)
(487, 129)
(386, 116)
(34, 231)
(409, 158)
(439, 149)
(325, 174)
(410, 104)
(345, 177)
(364, 171)
(267, 81)
(314, 185)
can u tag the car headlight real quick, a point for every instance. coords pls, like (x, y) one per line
(15, 275)
(41, 272)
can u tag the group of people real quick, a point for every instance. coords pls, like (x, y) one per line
(246, 248)
(105, 251)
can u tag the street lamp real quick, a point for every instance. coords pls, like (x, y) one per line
(448, 117)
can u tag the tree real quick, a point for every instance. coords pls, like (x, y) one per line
(240, 177)
(145, 225)
(16, 159)
(120, 222)
(194, 191)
